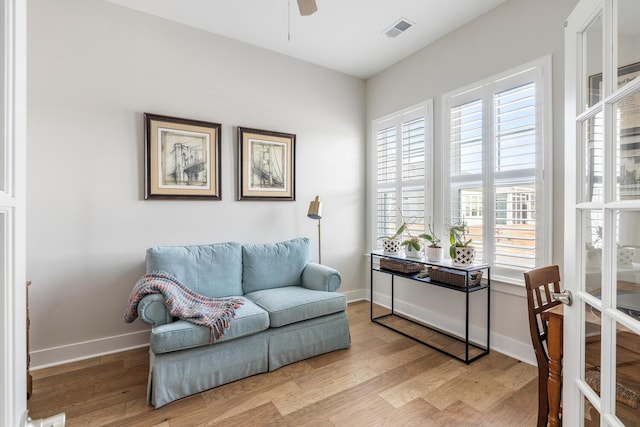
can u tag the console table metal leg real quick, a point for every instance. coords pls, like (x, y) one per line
(466, 330)
(488, 308)
(371, 287)
(392, 295)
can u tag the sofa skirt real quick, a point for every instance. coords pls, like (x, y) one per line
(182, 373)
(186, 372)
(302, 340)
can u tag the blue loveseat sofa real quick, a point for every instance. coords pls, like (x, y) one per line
(291, 312)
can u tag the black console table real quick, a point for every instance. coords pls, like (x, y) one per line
(464, 280)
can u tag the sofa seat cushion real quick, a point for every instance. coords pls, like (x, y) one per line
(293, 304)
(180, 335)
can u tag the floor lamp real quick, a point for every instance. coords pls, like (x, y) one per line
(315, 212)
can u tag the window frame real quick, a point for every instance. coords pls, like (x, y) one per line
(538, 71)
(422, 110)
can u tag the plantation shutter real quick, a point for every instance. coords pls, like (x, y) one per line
(515, 190)
(401, 166)
(495, 136)
(386, 179)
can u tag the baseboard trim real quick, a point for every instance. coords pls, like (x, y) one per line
(353, 296)
(53, 356)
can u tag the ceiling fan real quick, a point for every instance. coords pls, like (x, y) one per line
(307, 7)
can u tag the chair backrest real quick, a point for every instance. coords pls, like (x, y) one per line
(541, 283)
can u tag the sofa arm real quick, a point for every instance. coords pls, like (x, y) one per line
(319, 277)
(151, 309)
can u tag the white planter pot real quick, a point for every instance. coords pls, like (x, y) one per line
(391, 246)
(464, 256)
(410, 252)
(626, 255)
(434, 254)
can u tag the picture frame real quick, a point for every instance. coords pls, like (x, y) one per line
(266, 165)
(182, 158)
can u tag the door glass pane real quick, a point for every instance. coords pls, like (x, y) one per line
(628, 268)
(592, 340)
(628, 147)
(592, 39)
(627, 376)
(628, 251)
(591, 415)
(628, 40)
(593, 222)
(594, 159)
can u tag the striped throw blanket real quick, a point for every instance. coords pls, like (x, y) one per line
(183, 303)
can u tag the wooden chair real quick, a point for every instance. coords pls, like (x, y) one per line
(540, 283)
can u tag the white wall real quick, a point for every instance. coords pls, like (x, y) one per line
(93, 69)
(513, 34)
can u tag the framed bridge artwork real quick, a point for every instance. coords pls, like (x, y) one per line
(182, 158)
(266, 165)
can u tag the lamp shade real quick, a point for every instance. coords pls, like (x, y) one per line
(315, 209)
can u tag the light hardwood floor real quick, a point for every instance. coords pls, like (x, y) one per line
(384, 379)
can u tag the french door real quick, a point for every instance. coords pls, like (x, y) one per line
(602, 214)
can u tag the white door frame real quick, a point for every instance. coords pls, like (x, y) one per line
(13, 376)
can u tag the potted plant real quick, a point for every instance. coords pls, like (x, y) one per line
(460, 251)
(391, 244)
(433, 249)
(413, 246)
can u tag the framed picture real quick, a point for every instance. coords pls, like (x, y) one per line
(182, 158)
(266, 165)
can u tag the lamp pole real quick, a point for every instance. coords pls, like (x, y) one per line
(315, 212)
(319, 243)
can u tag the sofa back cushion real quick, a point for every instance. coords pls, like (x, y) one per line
(274, 265)
(210, 270)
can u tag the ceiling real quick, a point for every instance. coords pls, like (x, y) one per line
(343, 35)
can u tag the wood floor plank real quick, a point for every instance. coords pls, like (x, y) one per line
(515, 409)
(458, 414)
(383, 379)
(423, 385)
(416, 413)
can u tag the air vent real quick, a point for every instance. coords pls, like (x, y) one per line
(398, 28)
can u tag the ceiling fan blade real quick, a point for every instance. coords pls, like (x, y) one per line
(307, 7)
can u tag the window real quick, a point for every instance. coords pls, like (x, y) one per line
(498, 158)
(402, 143)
